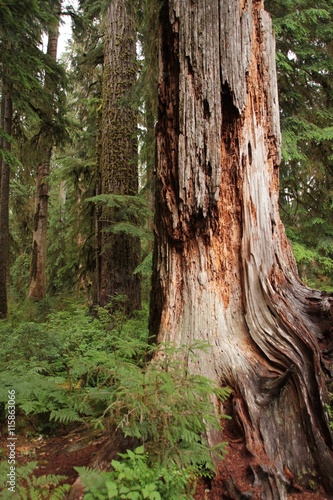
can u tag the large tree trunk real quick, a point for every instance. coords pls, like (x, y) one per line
(120, 252)
(6, 125)
(45, 144)
(224, 270)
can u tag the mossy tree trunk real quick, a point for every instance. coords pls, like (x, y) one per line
(224, 271)
(6, 125)
(119, 172)
(44, 148)
(98, 211)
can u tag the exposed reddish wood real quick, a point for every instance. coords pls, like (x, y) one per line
(224, 270)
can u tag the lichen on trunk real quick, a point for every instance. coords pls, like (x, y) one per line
(223, 268)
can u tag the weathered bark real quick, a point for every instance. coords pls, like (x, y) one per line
(45, 144)
(223, 268)
(120, 252)
(6, 125)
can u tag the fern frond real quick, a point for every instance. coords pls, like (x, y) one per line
(65, 416)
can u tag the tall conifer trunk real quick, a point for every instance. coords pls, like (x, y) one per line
(6, 125)
(120, 252)
(223, 268)
(45, 144)
(98, 212)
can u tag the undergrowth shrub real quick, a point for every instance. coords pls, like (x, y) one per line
(52, 364)
(168, 410)
(165, 406)
(135, 477)
(30, 487)
(79, 367)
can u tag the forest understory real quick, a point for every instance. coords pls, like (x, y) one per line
(60, 454)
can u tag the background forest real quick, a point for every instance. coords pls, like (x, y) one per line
(73, 125)
(77, 159)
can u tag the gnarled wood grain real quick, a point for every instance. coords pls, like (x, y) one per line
(224, 270)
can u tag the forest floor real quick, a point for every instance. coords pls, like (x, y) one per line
(59, 455)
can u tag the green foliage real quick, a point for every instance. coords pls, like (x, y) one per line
(146, 95)
(20, 275)
(136, 478)
(35, 363)
(146, 265)
(63, 250)
(59, 360)
(171, 408)
(132, 212)
(25, 64)
(79, 367)
(29, 487)
(41, 398)
(167, 409)
(37, 84)
(304, 36)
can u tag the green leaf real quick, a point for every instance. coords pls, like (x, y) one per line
(112, 489)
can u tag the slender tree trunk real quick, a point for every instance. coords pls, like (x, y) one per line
(38, 267)
(98, 212)
(150, 158)
(223, 268)
(39, 244)
(121, 252)
(6, 125)
(149, 71)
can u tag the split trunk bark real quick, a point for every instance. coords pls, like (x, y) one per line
(45, 145)
(119, 171)
(6, 125)
(224, 271)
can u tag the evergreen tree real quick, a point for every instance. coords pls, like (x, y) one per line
(81, 161)
(147, 90)
(304, 35)
(88, 62)
(120, 252)
(44, 144)
(21, 25)
(5, 145)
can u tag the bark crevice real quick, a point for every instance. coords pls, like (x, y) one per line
(233, 279)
